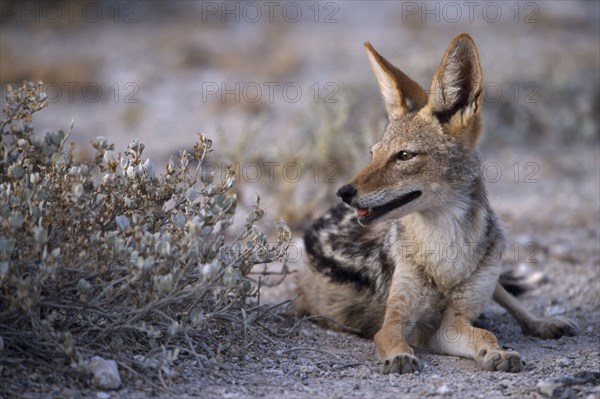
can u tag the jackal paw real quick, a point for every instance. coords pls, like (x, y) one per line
(499, 360)
(402, 363)
(556, 327)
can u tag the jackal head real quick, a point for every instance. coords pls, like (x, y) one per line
(425, 157)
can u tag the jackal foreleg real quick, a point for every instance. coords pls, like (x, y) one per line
(456, 336)
(391, 341)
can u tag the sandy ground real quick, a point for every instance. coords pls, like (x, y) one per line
(546, 151)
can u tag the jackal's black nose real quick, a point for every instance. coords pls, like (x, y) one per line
(346, 192)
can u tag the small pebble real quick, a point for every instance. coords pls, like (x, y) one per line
(444, 390)
(105, 373)
(546, 387)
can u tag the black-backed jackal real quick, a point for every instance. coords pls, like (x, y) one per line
(412, 256)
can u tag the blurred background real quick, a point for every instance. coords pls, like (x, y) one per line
(285, 90)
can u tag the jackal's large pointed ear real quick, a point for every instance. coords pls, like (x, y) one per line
(400, 93)
(456, 91)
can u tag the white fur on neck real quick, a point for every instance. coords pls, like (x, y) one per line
(445, 241)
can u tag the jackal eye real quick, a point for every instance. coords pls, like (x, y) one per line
(405, 155)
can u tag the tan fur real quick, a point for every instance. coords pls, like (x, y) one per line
(331, 301)
(400, 92)
(386, 272)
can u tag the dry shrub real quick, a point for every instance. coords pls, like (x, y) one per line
(111, 259)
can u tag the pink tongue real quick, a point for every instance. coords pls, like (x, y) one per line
(360, 212)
